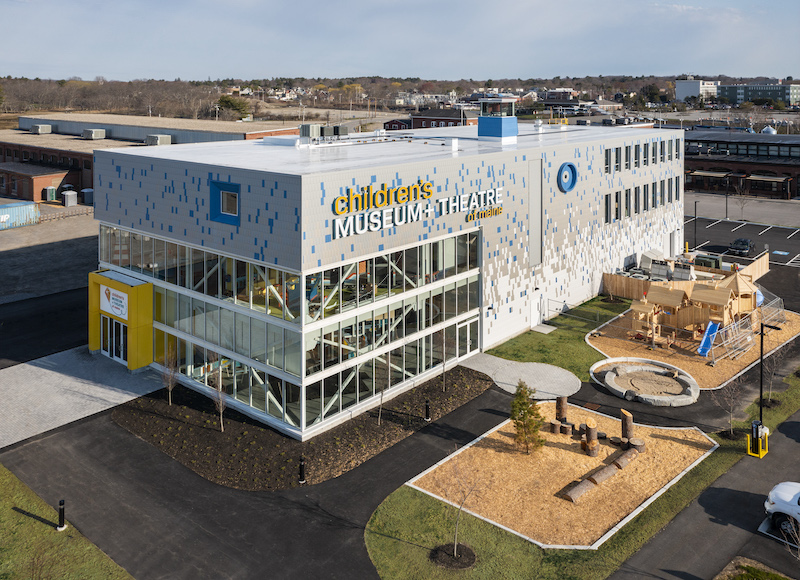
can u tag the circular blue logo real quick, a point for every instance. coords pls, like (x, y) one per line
(567, 177)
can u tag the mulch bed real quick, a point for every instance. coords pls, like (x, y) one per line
(443, 556)
(254, 457)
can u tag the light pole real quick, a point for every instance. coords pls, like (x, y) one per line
(695, 224)
(727, 188)
(761, 389)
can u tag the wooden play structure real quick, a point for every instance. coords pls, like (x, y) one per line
(716, 316)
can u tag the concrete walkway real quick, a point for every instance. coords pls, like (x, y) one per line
(549, 381)
(50, 392)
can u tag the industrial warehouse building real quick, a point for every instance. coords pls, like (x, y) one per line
(313, 276)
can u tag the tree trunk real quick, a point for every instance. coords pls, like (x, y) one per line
(623, 460)
(577, 491)
(627, 424)
(555, 426)
(561, 409)
(637, 444)
(605, 473)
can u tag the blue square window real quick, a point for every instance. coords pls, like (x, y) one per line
(225, 203)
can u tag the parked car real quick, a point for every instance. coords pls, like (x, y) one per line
(783, 506)
(741, 247)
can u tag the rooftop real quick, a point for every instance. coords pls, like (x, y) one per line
(362, 150)
(742, 137)
(236, 127)
(60, 142)
(30, 169)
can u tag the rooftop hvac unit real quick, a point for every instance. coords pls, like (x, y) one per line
(327, 131)
(93, 134)
(158, 140)
(341, 130)
(310, 131)
(41, 129)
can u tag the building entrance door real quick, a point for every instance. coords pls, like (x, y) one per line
(468, 339)
(114, 339)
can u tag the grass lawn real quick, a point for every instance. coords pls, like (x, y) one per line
(30, 546)
(408, 524)
(565, 347)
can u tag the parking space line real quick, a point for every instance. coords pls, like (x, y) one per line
(739, 226)
(793, 233)
(715, 223)
(766, 230)
(701, 245)
(690, 221)
(793, 259)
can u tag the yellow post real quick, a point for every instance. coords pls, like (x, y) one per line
(763, 446)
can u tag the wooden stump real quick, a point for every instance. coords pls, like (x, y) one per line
(627, 424)
(624, 444)
(561, 409)
(603, 474)
(577, 491)
(626, 458)
(637, 444)
(592, 448)
(615, 441)
(566, 428)
(601, 434)
(591, 430)
(555, 426)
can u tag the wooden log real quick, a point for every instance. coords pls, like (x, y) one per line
(627, 424)
(624, 444)
(582, 428)
(591, 430)
(561, 409)
(615, 441)
(637, 444)
(603, 474)
(601, 434)
(566, 428)
(577, 491)
(555, 426)
(626, 458)
(592, 448)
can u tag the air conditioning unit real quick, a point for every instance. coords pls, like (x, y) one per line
(158, 140)
(41, 129)
(310, 131)
(93, 134)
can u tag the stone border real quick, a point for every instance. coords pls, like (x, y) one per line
(605, 537)
(690, 394)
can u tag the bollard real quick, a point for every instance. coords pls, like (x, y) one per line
(427, 411)
(61, 523)
(302, 469)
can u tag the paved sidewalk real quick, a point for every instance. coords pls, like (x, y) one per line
(53, 391)
(548, 380)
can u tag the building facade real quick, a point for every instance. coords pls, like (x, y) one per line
(738, 94)
(314, 279)
(700, 89)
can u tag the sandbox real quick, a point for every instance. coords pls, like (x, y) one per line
(647, 381)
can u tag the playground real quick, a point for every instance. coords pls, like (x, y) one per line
(528, 493)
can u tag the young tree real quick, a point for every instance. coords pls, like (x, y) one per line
(728, 399)
(771, 364)
(170, 373)
(215, 382)
(527, 418)
(465, 483)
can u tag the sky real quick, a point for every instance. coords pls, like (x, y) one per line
(257, 39)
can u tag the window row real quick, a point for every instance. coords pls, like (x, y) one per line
(251, 386)
(344, 288)
(284, 400)
(642, 155)
(336, 343)
(745, 149)
(253, 286)
(235, 331)
(339, 391)
(642, 199)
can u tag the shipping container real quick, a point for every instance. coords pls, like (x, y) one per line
(16, 215)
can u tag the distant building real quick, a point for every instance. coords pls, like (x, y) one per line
(692, 87)
(738, 94)
(443, 118)
(397, 124)
(765, 165)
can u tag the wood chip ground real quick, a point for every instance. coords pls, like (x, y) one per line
(523, 492)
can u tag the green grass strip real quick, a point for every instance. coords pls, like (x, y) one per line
(565, 347)
(409, 523)
(32, 548)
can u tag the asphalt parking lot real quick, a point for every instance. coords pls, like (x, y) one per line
(715, 235)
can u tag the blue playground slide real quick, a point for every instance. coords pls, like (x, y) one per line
(708, 338)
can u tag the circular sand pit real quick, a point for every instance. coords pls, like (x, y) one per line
(647, 381)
